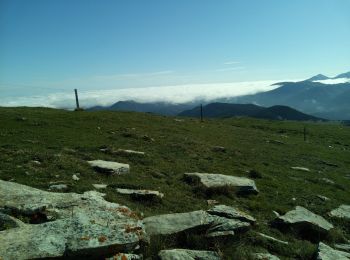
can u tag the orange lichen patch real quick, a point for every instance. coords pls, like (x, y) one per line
(128, 212)
(133, 229)
(85, 238)
(102, 239)
(120, 256)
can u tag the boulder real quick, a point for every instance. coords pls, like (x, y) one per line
(110, 167)
(141, 194)
(186, 254)
(343, 211)
(304, 222)
(223, 227)
(66, 224)
(325, 252)
(218, 181)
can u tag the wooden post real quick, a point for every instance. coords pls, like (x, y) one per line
(304, 133)
(76, 98)
(201, 113)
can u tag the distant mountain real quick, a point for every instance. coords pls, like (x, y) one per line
(232, 110)
(343, 75)
(331, 101)
(161, 108)
(318, 77)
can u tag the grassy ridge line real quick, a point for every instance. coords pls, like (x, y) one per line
(62, 141)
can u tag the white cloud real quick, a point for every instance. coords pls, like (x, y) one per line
(171, 94)
(231, 62)
(333, 81)
(231, 69)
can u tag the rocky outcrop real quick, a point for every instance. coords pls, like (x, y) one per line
(304, 222)
(327, 253)
(110, 167)
(343, 211)
(219, 181)
(141, 194)
(64, 224)
(185, 254)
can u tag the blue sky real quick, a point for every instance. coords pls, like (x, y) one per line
(55, 45)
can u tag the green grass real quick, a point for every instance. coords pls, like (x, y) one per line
(63, 141)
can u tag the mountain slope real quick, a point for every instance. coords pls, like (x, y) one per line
(161, 108)
(231, 110)
(329, 101)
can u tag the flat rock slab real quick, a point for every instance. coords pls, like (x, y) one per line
(327, 253)
(343, 247)
(272, 239)
(110, 167)
(207, 222)
(217, 181)
(230, 212)
(141, 194)
(132, 152)
(304, 220)
(185, 254)
(100, 186)
(72, 225)
(342, 212)
(168, 224)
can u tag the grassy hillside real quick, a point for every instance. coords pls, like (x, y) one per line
(39, 146)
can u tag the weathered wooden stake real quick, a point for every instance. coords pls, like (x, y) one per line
(76, 98)
(201, 113)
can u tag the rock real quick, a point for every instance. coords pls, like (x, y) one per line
(328, 181)
(323, 198)
(68, 225)
(212, 202)
(223, 227)
(327, 253)
(58, 187)
(122, 256)
(342, 212)
(110, 167)
(304, 222)
(99, 186)
(304, 169)
(141, 194)
(231, 213)
(75, 177)
(186, 254)
(343, 247)
(272, 239)
(168, 224)
(217, 181)
(121, 151)
(222, 221)
(218, 149)
(264, 256)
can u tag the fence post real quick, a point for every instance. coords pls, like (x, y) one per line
(304, 133)
(76, 98)
(201, 113)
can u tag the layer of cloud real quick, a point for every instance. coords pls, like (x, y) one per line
(333, 81)
(171, 94)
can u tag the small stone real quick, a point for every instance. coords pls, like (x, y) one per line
(297, 168)
(273, 239)
(265, 256)
(343, 211)
(110, 167)
(218, 149)
(141, 194)
(75, 177)
(323, 198)
(328, 181)
(58, 187)
(99, 186)
(121, 151)
(36, 162)
(212, 202)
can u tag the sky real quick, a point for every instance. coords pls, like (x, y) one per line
(158, 49)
